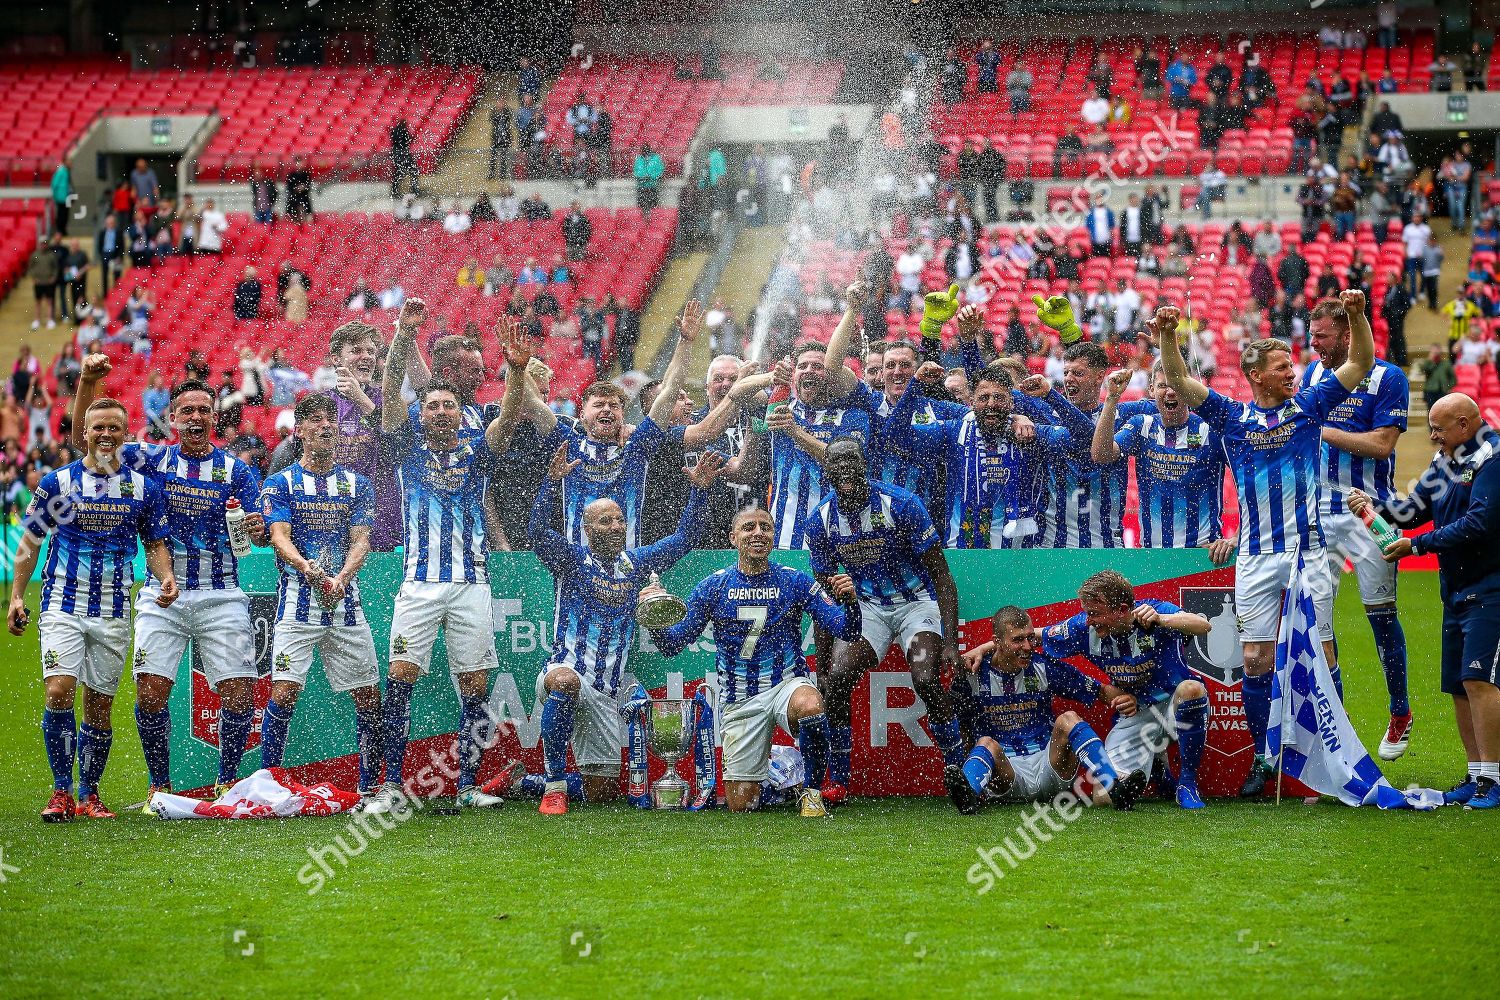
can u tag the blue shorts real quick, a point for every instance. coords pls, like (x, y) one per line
(1471, 644)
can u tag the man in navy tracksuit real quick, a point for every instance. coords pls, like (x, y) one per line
(1460, 494)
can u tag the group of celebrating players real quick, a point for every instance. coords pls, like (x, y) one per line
(857, 471)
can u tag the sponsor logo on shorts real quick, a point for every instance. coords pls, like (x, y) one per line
(398, 644)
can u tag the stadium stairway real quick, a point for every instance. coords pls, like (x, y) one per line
(661, 312)
(463, 168)
(750, 264)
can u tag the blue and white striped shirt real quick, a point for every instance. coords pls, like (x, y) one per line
(320, 510)
(608, 469)
(757, 624)
(596, 601)
(896, 462)
(443, 502)
(196, 492)
(1147, 663)
(880, 546)
(1380, 400)
(1179, 477)
(1275, 457)
(797, 482)
(1015, 710)
(95, 522)
(1087, 500)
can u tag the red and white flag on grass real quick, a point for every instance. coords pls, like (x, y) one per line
(266, 794)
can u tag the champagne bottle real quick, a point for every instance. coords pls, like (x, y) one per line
(1384, 533)
(234, 521)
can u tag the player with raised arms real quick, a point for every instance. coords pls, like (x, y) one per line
(197, 481)
(584, 685)
(444, 474)
(756, 608)
(1138, 645)
(1359, 453)
(1179, 467)
(94, 511)
(1274, 446)
(883, 539)
(320, 516)
(1021, 752)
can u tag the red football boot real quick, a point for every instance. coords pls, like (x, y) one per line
(59, 807)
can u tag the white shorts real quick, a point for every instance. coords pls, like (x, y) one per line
(748, 726)
(90, 650)
(880, 625)
(218, 623)
(348, 654)
(598, 725)
(1348, 538)
(1036, 779)
(461, 610)
(1134, 742)
(1260, 581)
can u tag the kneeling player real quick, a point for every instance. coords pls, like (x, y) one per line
(97, 511)
(319, 516)
(1139, 646)
(599, 584)
(1022, 754)
(756, 609)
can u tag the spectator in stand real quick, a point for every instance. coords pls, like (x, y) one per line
(62, 191)
(1395, 161)
(1442, 70)
(1132, 229)
(1476, 67)
(1267, 240)
(1486, 232)
(23, 374)
(1257, 89)
(1304, 135)
(263, 195)
(212, 225)
(559, 273)
(988, 61)
(1472, 349)
(528, 79)
(909, 267)
(580, 117)
(1236, 246)
(1432, 271)
(1387, 84)
(1314, 204)
(627, 329)
(188, 218)
(1148, 72)
(1220, 78)
(1181, 79)
(1416, 235)
(196, 366)
(1455, 177)
(144, 186)
(360, 298)
(299, 190)
(1381, 210)
(247, 296)
(1095, 110)
(1213, 186)
(1069, 149)
(294, 299)
(136, 314)
(76, 276)
(531, 274)
(1153, 215)
(44, 274)
(67, 369)
(502, 134)
(483, 209)
(991, 174)
(122, 203)
(577, 231)
(648, 173)
(592, 329)
(284, 279)
(403, 164)
(138, 241)
(457, 221)
(1385, 121)
(1262, 285)
(498, 278)
(1100, 225)
(287, 381)
(471, 275)
(507, 204)
(161, 245)
(1102, 77)
(534, 209)
(1293, 271)
(1394, 308)
(155, 399)
(109, 251)
(1438, 376)
(1343, 203)
(1018, 84)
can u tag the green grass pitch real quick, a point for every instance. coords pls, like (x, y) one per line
(1241, 900)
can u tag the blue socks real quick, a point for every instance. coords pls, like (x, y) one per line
(1390, 645)
(1192, 734)
(1089, 749)
(978, 768)
(535, 786)
(1338, 680)
(395, 728)
(234, 732)
(60, 738)
(842, 743)
(557, 730)
(1255, 693)
(950, 740)
(273, 729)
(473, 734)
(155, 729)
(93, 753)
(367, 737)
(813, 740)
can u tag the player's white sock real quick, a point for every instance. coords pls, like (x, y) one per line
(1489, 770)
(1474, 769)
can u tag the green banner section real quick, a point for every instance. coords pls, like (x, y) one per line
(323, 726)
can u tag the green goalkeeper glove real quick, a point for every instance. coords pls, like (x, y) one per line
(937, 309)
(1056, 314)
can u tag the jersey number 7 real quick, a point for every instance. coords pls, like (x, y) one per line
(757, 619)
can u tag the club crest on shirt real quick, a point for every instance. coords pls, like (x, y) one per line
(343, 487)
(219, 474)
(1194, 440)
(879, 521)
(127, 489)
(922, 419)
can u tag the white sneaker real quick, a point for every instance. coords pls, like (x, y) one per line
(36, 324)
(383, 801)
(473, 798)
(811, 802)
(1397, 737)
(51, 324)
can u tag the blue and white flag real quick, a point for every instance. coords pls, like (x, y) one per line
(1309, 726)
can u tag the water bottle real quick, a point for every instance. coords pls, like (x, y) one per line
(234, 521)
(1384, 533)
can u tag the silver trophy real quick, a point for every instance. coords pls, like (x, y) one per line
(669, 734)
(660, 610)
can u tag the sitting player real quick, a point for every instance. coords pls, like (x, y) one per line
(1020, 752)
(1139, 645)
(756, 609)
(596, 628)
(320, 515)
(97, 511)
